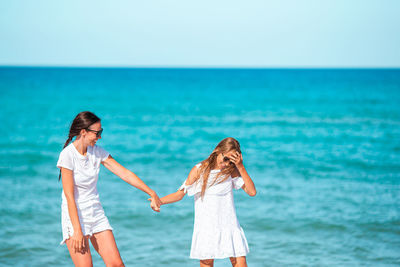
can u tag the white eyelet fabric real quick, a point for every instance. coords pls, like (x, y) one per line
(217, 233)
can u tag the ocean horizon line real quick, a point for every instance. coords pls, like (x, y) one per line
(193, 67)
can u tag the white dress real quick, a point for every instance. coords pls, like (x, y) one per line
(217, 233)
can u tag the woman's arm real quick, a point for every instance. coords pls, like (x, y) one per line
(132, 179)
(78, 240)
(248, 186)
(178, 195)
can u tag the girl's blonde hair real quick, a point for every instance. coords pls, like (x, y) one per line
(225, 146)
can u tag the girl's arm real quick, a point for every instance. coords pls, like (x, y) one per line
(171, 198)
(132, 179)
(178, 195)
(248, 186)
(78, 240)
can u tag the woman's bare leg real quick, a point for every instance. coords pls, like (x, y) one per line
(80, 258)
(238, 261)
(105, 245)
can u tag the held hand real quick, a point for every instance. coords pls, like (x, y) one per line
(78, 242)
(155, 202)
(237, 159)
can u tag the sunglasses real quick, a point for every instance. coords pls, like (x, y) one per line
(226, 159)
(98, 133)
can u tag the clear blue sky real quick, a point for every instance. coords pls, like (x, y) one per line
(185, 33)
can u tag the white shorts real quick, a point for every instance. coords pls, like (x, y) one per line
(91, 217)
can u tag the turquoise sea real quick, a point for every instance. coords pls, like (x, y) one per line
(322, 146)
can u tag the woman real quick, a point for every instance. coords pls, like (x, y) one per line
(83, 217)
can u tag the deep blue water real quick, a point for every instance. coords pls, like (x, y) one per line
(322, 146)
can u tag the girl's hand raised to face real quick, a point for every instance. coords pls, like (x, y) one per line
(236, 158)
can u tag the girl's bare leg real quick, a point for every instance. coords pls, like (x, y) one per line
(105, 245)
(238, 261)
(206, 263)
(80, 258)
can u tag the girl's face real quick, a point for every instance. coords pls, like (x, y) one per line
(93, 133)
(223, 159)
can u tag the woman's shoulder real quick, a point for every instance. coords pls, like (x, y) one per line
(67, 150)
(66, 158)
(96, 149)
(99, 152)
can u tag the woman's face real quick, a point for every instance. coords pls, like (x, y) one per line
(223, 159)
(93, 134)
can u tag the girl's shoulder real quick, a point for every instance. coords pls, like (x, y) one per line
(193, 175)
(235, 173)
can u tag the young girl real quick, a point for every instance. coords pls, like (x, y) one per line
(217, 233)
(82, 214)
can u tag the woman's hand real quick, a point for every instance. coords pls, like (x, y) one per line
(155, 202)
(78, 242)
(237, 159)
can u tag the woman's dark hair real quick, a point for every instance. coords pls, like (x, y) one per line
(82, 121)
